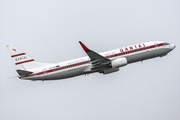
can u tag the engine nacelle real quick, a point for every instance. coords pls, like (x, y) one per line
(107, 71)
(118, 62)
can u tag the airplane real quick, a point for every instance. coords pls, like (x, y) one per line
(105, 62)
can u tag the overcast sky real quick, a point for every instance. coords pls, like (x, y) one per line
(49, 31)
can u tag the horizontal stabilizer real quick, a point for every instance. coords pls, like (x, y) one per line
(23, 72)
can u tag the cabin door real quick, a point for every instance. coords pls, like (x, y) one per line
(156, 45)
(45, 73)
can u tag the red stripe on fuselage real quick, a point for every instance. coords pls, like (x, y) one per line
(24, 61)
(18, 55)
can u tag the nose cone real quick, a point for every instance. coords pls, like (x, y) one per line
(171, 46)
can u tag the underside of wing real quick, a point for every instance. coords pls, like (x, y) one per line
(102, 64)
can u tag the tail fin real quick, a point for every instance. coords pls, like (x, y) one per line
(22, 61)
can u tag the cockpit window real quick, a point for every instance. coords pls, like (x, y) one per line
(165, 43)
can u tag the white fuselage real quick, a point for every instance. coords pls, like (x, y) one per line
(83, 65)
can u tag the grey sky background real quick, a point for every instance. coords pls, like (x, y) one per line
(49, 31)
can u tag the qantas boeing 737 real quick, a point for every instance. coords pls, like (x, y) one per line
(106, 62)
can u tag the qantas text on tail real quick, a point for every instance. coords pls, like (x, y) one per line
(106, 62)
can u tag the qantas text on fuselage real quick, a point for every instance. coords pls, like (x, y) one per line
(106, 62)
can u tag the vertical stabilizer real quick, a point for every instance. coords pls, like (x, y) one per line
(21, 59)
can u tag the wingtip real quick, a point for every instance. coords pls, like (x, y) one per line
(84, 47)
(80, 42)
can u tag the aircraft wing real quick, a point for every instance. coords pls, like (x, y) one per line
(96, 59)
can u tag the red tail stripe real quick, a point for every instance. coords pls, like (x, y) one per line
(24, 62)
(18, 55)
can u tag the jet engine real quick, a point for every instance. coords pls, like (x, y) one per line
(118, 62)
(115, 64)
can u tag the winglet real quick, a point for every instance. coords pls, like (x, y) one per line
(93, 55)
(84, 47)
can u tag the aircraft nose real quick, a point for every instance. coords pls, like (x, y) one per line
(172, 46)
